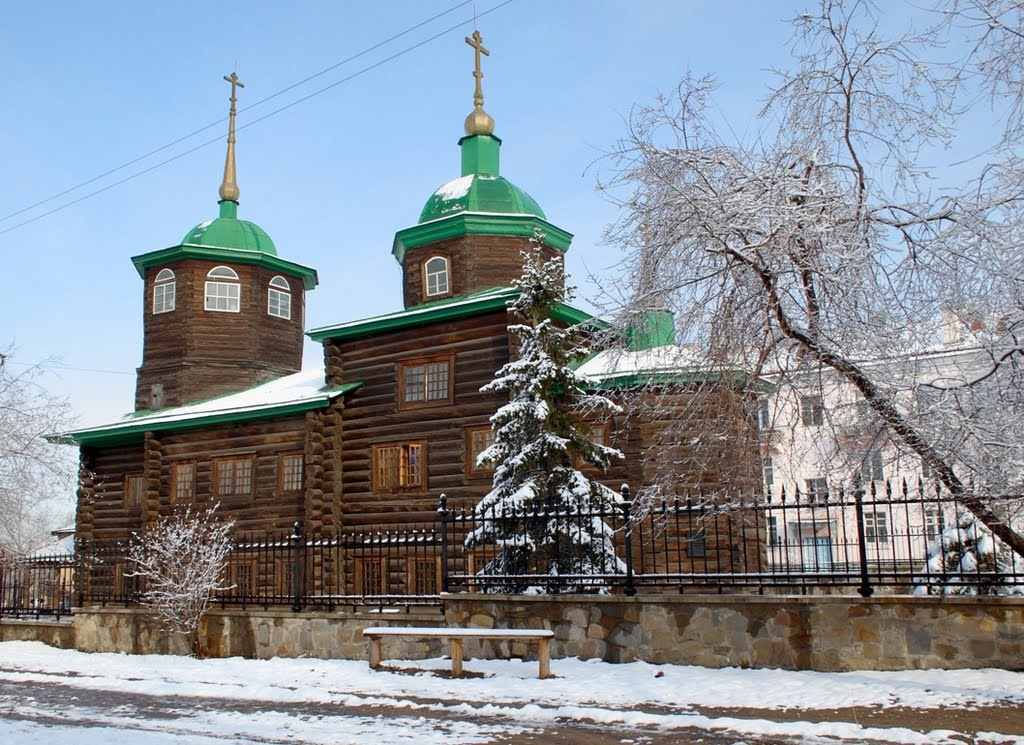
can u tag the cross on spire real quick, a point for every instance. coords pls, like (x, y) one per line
(229, 186)
(477, 42)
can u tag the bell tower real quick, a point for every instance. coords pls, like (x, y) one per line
(471, 230)
(222, 311)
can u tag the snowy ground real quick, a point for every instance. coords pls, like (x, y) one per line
(50, 695)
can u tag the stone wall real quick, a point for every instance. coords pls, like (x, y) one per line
(832, 633)
(796, 633)
(55, 633)
(255, 634)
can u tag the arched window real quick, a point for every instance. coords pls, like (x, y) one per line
(223, 292)
(435, 275)
(279, 298)
(163, 292)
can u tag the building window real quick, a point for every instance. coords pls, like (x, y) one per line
(370, 577)
(876, 526)
(764, 417)
(768, 472)
(817, 553)
(696, 544)
(871, 467)
(812, 411)
(223, 292)
(291, 472)
(927, 472)
(773, 530)
(234, 477)
(934, 523)
(426, 383)
(478, 440)
(424, 576)
(435, 276)
(816, 489)
(279, 298)
(183, 488)
(134, 492)
(163, 292)
(398, 466)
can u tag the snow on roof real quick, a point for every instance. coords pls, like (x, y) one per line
(300, 388)
(455, 189)
(57, 550)
(612, 364)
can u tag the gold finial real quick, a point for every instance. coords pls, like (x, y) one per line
(229, 187)
(479, 122)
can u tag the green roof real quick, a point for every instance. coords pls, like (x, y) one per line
(227, 231)
(479, 193)
(486, 301)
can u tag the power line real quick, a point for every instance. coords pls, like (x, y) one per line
(246, 108)
(61, 366)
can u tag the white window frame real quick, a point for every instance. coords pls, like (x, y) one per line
(279, 298)
(812, 411)
(164, 292)
(220, 292)
(440, 278)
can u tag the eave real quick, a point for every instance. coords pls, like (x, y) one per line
(226, 255)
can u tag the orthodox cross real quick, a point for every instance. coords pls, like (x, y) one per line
(478, 46)
(235, 83)
(229, 186)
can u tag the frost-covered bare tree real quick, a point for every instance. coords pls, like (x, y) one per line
(34, 473)
(837, 235)
(181, 560)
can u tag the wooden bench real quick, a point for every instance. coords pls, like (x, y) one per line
(457, 636)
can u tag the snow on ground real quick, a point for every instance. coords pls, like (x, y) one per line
(662, 697)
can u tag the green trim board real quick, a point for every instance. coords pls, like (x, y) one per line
(227, 255)
(479, 303)
(132, 429)
(478, 223)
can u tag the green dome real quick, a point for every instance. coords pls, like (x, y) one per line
(230, 232)
(480, 193)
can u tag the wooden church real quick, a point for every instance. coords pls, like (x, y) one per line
(224, 414)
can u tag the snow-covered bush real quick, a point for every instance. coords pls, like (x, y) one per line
(181, 560)
(543, 513)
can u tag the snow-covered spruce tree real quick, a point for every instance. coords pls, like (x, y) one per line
(964, 560)
(543, 513)
(181, 560)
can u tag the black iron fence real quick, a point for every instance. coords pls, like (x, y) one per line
(880, 539)
(37, 585)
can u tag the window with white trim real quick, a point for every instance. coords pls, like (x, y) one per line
(871, 468)
(876, 526)
(435, 275)
(812, 411)
(163, 292)
(223, 291)
(279, 298)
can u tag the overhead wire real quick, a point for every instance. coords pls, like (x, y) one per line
(219, 138)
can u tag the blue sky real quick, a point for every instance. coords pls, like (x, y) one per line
(91, 86)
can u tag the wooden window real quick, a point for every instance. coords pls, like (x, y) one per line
(812, 411)
(435, 276)
(279, 298)
(223, 292)
(425, 382)
(424, 576)
(290, 468)
(370, 577)
(134, 492)
(398, 466)
(183, 487)
(163, 292)
(597, 433)
(478, 440)
(233, 477)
